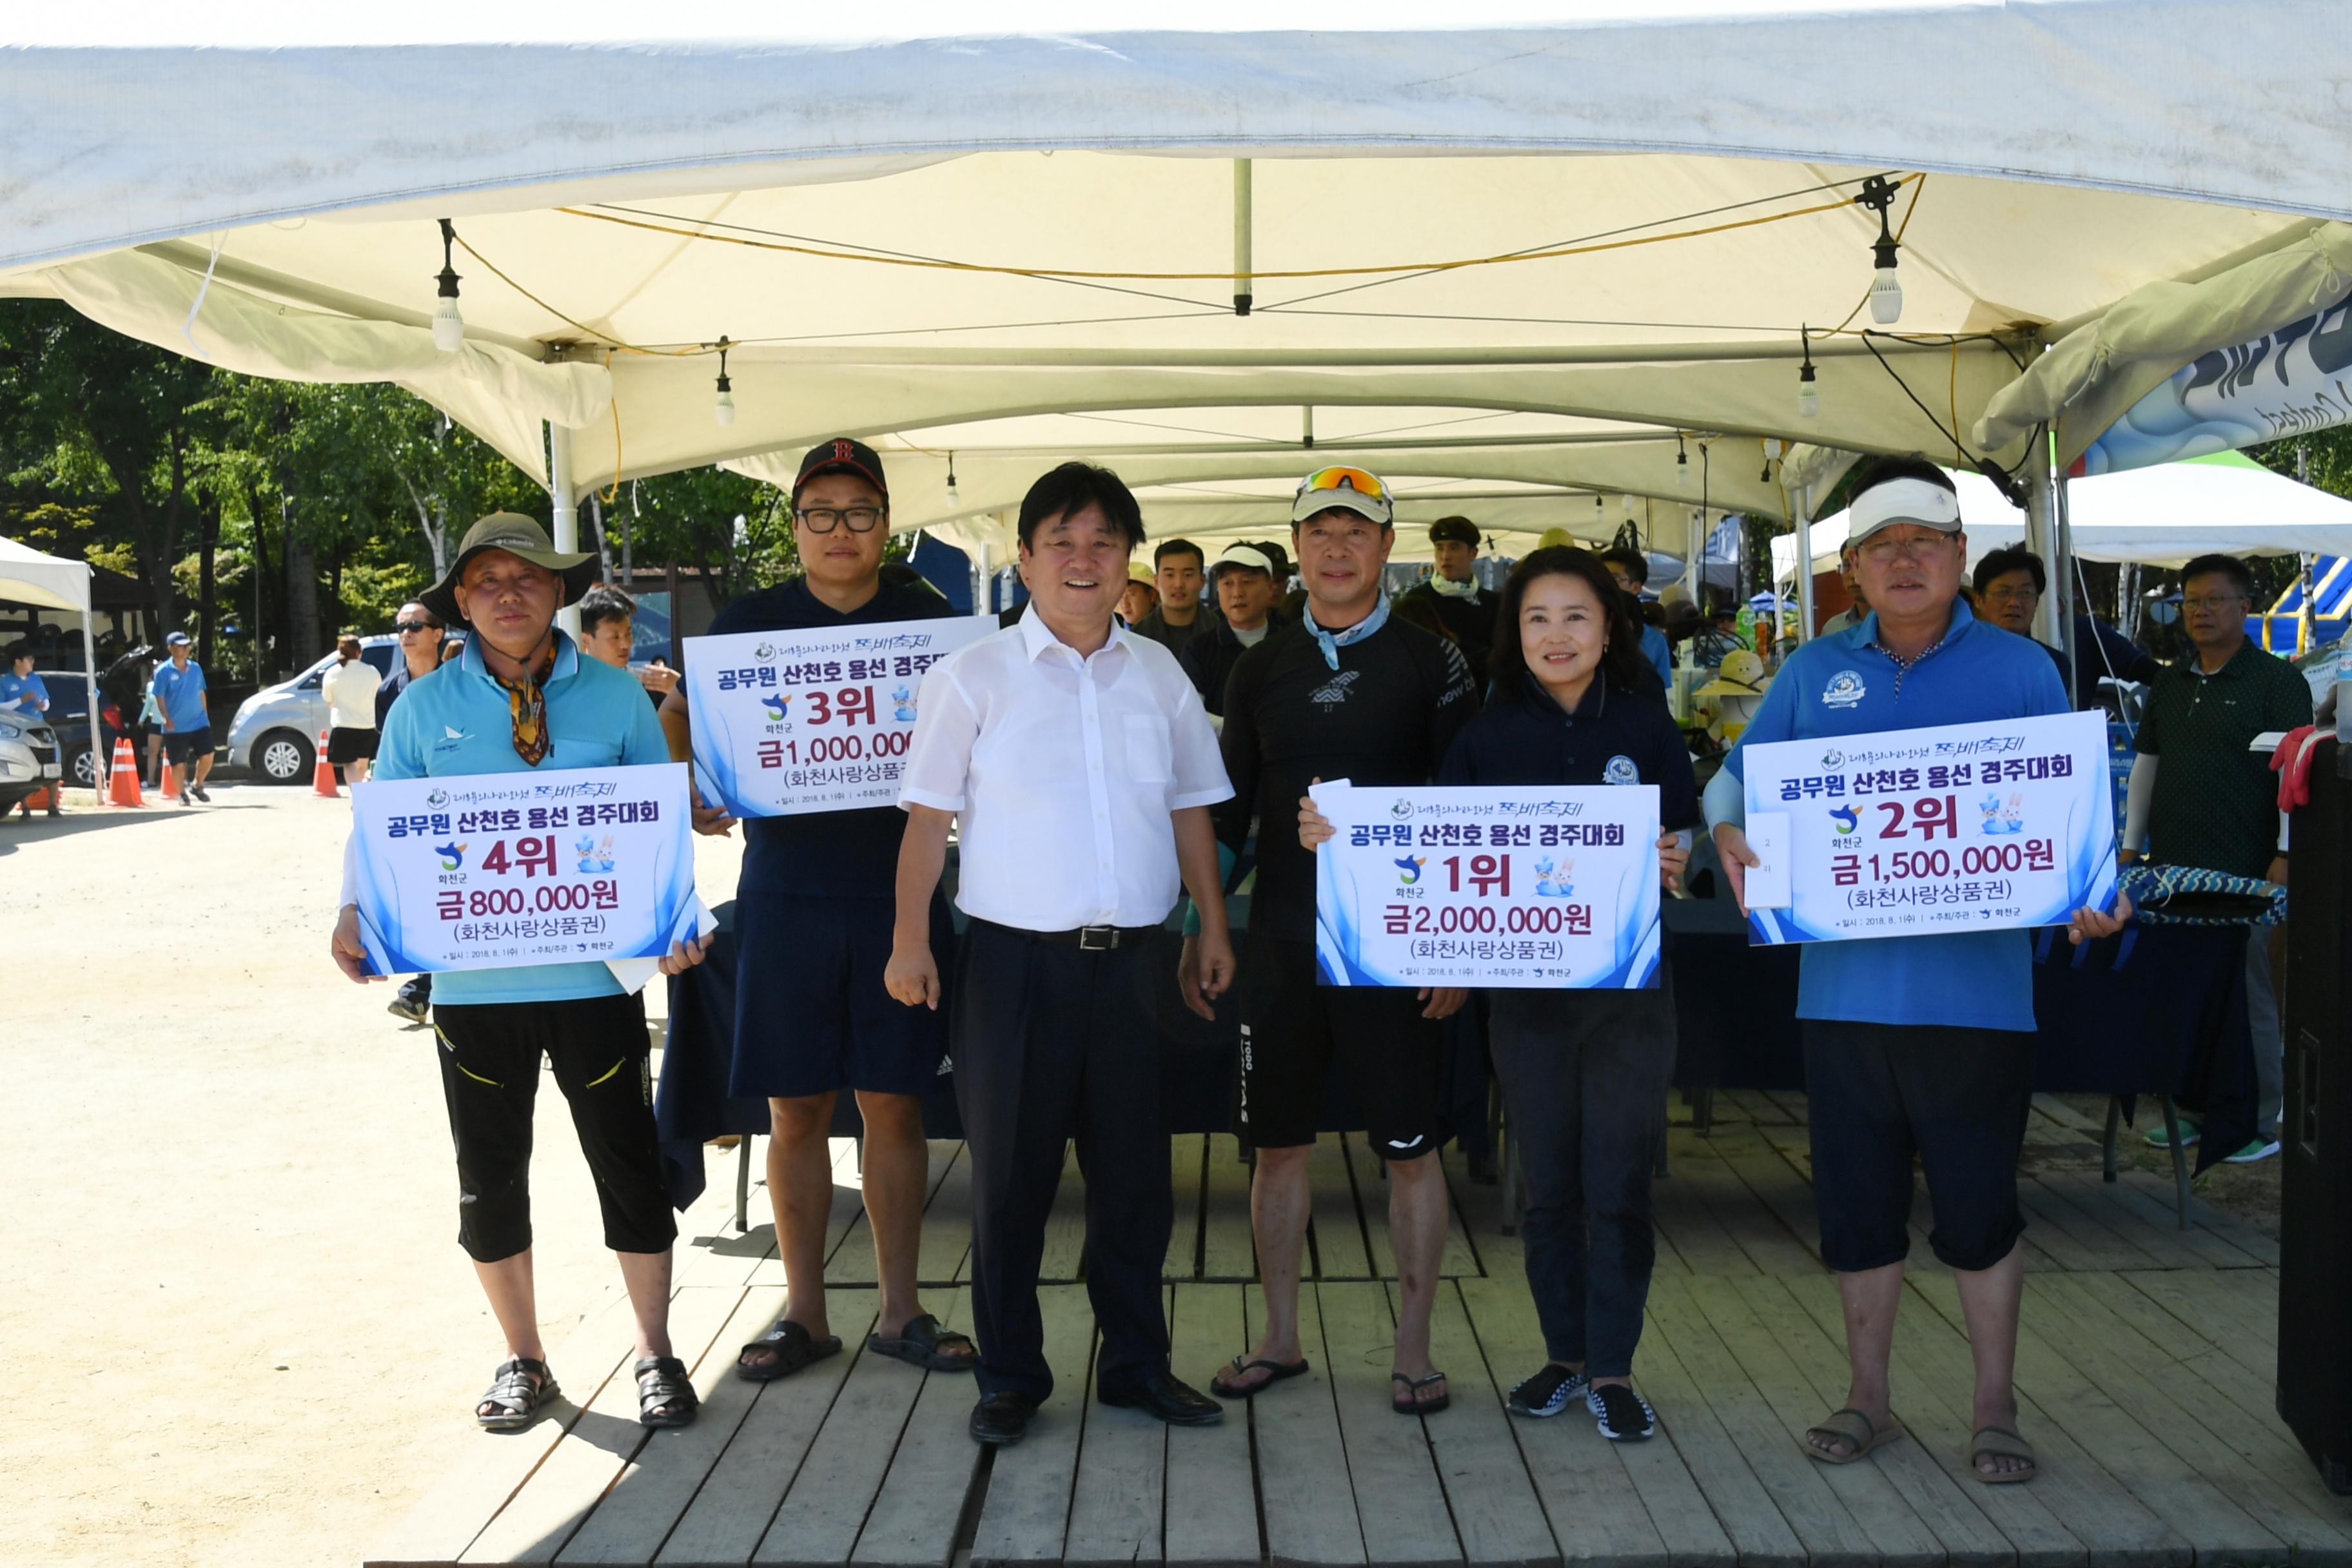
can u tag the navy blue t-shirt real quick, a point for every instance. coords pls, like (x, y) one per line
(824, 854)
(1843, 683)
(1614, 736)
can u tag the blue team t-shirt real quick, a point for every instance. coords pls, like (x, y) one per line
(26, 693)
(1843, 684)
(456, 721)
(180, 694)
(824, 854)
(1660, 656)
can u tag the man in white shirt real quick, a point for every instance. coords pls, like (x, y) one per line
(1080, 765)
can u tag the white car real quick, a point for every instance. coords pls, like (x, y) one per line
(276, 731)
(29, 757)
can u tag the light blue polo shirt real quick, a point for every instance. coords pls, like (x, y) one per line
(180, 694)
(1979, 672)
(26, 693)
(456, 721)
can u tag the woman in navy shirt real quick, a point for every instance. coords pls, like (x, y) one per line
(1584, 1072)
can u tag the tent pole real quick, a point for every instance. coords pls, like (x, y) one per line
(566, 519)
(1805, 622)
(1244, 222)
(2065, 605)
(2041, 538)
(99, 759)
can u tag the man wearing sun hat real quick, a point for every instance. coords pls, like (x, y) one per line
(521, 698)
(1915, 1047)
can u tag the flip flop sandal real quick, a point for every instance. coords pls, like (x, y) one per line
(1240, 1368)
(1408, 1405)
(922, 1343)
(2001, 1443)
(1853, 1427)
(794, 1348)
(665, 1396)
(523, 1388)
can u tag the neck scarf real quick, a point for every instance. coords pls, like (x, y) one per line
(1332, 642)
(1463, 588)
(527, 705)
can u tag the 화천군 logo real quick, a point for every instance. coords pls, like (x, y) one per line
(1844, 690)
(1621, 770)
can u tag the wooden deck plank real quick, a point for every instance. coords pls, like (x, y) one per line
(914, 1518)
(2161, 1481)
(744, 1488)
(634, 1517)
(1336, 1225)
(2096, 1245)
(846, 1462)
(1398, 1499)
(542, 1517)
(1700, 1240)
(1596, 1514)
(1753, 1226)
(2239, 1303)
(2114, 1205)
(1227, 1249)
(2204, 1246)
(1027, 1516)
(1211, 1487)
(1306, 1504)
(1499, 1516)
(1119, 1499)
(1798, 1487)
(1742, 1504)
(945, 1240)
(2172, 1290)
(1188, 1174)
(1478, 1208)
(1063, 1258)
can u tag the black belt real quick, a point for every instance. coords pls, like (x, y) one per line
(1085, 939)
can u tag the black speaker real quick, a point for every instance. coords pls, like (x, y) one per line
(2315, 1367)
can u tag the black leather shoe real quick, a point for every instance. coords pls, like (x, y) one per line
(1002, 1419)
(1178, 1403)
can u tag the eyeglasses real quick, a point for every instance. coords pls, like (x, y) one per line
(825, 519)
(407, 627)
(2214, 602)
(1883, 551)
(2024, 595)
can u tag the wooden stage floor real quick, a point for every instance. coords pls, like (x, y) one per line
(2146, 1367)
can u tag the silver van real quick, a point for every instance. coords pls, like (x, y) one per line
(276, 731)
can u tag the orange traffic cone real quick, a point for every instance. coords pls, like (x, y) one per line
(170, 785)
(122, 779)
(322, 778)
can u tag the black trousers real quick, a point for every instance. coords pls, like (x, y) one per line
(1051, 1044)
(1584, 1075)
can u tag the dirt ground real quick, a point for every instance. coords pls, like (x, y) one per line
(232, 1314)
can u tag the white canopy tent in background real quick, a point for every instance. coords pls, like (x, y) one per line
(903, 238)
(52, 583)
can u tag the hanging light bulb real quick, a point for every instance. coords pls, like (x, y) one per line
(1885, 288)
(448, 326)
(1682, 464)
(724, 409)
(1809, 392)
(954, 498)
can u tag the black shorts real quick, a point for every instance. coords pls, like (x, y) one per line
(181, 746)
(348, 744)
(811, 1015)
(600, 1054)
(1294, 1029)
(1958, 1099)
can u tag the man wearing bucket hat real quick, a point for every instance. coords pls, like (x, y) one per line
(1915, 1047)
(1348, 690)
(1452, 590)
(813, 915)
(1244, 579)
(520, 697)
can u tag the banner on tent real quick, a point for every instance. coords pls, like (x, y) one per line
(1523, 887)
(1915, 832)
(788, 722)
(497, 871)
(2287, 382)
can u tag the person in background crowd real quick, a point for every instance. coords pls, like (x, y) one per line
(1141, 596)
(419, 631)
(1917, 1047)
(814, 931)
(1452, 590)
(350, 689)
(2009, 584)
(1630, 569)
(608, 632)
(1176, 566)
(1851, 616)
(151, 724)
(1244, 584)
(522, 698)
(2212, 803)
(1349, 691)
(187, 720)
(1078, 767)
(452, 648)
(898, 574)
(22, 692)
(1584, 1072)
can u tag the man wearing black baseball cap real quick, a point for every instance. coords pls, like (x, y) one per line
(1466, 610)
(813, 913)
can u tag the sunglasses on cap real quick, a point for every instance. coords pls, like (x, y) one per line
(1343, 478)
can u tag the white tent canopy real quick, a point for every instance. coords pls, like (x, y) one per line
(2156, 516)
(54, 583)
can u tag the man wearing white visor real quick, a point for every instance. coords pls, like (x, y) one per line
(1915, 1045)
(1243, 579)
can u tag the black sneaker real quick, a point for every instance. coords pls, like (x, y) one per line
(1625, 1416)
(200, 794)
(406, 1008)
(1547, 1392)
